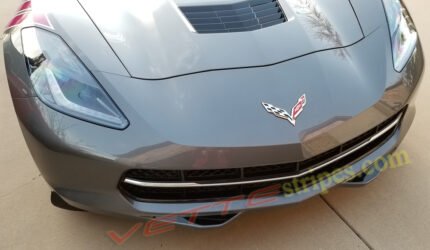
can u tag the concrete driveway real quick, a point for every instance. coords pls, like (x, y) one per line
(391, 213)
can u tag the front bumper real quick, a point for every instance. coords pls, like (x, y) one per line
(91, 182)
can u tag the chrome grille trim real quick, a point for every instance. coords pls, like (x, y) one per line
(218, 184)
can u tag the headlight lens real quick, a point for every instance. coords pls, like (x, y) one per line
(62, 82)
(402, 31)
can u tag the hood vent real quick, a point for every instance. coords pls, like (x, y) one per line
(243, 16)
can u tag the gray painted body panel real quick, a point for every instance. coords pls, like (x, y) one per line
(369, 14)
(153, 40)
(176, 121)
(73, 24)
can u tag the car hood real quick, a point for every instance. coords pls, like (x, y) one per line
(224, 108)
(154, 40)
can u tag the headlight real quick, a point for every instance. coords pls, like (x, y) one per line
(402, 31)
(63, 83)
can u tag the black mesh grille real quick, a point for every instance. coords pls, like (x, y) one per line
(216, 174)
(154, 175)
(305, 165)
(356, 141)
(243, 174)
(242, 16)
(274, 170)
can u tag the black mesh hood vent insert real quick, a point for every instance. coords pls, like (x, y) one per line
(243, 16)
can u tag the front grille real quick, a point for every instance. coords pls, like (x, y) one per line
(154, 175)
(216, 174)
(243, 16)
(183, 194)
(273, 170)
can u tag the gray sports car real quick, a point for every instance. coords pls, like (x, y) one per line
(193, 111)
